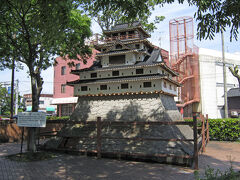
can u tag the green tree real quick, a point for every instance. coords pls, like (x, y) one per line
(5, 101)
(33, 31)
(109, 13)
(235, 72)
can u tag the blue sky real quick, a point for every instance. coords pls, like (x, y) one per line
(160, 37)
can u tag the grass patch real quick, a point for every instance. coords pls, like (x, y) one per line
(211, 174)
(29, 157)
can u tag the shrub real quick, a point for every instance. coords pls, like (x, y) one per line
(58, 118)
(224, 129)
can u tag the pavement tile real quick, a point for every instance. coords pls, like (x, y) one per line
(72, 167)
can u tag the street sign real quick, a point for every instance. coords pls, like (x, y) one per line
(31, 119)
(9, 89)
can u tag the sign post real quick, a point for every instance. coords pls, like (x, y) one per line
(31, 119)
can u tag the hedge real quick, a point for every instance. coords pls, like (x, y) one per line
(58, 118)
(224, 129)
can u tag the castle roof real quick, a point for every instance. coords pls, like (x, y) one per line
(126, 27)
(153, 60)
(123, 79)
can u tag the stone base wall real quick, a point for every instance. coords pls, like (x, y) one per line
(152, 107)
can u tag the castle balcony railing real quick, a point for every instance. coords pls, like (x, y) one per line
(123, 37)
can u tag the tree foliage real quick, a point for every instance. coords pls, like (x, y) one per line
(109, 13)
(33, 32)
(212, 15)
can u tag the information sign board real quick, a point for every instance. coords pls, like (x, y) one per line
(31, 119)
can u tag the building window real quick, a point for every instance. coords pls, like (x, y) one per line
(41, 102)
(63, 88)
(175, 88)
(139, 71)
(93, 75)
(115, 73)
(66, 109)
(147, 84)
(162, 71)
(137, 46)
(115, 60)
(78, 66)
(84, 88)
(165, 84)
(170, 86)
(63, 70)
(124, 86)
(103, 87)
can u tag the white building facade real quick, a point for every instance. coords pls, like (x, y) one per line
(211, 80)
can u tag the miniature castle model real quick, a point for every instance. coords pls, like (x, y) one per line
(129, 82)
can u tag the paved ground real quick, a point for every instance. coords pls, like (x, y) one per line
(80, 167)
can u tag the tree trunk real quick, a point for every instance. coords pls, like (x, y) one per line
(36, 82)
(234, 72)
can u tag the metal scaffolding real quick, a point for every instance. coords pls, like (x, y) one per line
(184, 60)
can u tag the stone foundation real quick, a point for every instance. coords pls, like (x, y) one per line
(152, 107)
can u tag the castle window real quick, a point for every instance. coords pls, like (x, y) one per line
(93, 75)
(63, 70)
(118, 46)
(113, 60)
(165, 84)
(131, 32)
(124, 86)
(103, 87)
(139, 71)
(84, 88)
(147, 84)
(115, 73)
(78, 66)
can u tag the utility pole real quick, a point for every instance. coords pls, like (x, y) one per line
(16, 98)
(12, 89)
(224, 77)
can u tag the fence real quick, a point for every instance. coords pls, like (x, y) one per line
(204, 135)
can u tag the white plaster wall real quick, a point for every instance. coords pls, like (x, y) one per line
(134, 86)
(130, 59)
(211, 80)
(105, 61)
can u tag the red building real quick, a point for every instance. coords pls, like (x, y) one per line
(63, 94)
